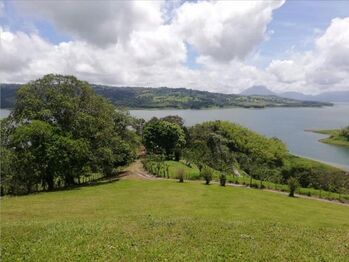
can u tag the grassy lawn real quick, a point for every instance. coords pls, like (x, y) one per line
(334, 137)
(158, 220)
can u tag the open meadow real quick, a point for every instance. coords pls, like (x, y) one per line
(156, 220)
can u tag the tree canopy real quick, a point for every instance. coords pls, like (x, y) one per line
(59, 131)
(163, 137)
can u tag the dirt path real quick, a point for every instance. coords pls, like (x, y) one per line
(137, 171)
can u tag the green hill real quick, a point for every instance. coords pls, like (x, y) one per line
(160, 219)
(146, 97)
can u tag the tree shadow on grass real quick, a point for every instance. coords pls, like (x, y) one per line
(97, 182)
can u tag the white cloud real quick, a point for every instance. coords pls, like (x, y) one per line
(19, 49)
(98, 22)
(225, 30)
(324, 67)
(286, 71)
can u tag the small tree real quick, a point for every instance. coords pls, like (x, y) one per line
(292, 185)
(163, 137)
(222, 179)
(206, 173)
(180, 175)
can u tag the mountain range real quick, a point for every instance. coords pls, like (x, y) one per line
(164, 97)
(330, 96)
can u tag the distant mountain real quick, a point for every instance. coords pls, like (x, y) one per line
(257, 90)
(330, 96)
(334, 96)
(163, 97)
(296, 95)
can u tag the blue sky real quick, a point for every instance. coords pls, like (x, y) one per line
(260, 57)
(297, 22)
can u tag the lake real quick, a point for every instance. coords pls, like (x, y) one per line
(288, 124)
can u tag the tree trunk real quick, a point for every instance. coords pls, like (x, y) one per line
(49, 181)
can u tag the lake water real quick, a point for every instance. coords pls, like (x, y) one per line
(288, 124)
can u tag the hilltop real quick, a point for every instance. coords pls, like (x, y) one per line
(164, 97)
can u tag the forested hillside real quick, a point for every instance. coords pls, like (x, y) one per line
(146, 97)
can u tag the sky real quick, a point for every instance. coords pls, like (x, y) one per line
(218, 46)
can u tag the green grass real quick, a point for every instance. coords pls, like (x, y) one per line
(191, 173)
(158, 220)
(334, 137)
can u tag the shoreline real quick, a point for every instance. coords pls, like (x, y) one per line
(332, 137)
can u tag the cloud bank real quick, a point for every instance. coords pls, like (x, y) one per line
(146, 44)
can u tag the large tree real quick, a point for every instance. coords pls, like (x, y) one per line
(60, 129)
(163, 137)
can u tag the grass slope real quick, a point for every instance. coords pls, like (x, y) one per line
(157, 220)
(334, 137)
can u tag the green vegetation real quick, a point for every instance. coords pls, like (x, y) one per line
(59, 133)
(229, 150)
(169, 169)
(292, 184)
(206, 173)
(163, 137)
(140, 97)
(157, 220)
(338, 137)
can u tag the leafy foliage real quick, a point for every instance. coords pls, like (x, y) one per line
(59, 131)
(292, 185)
(207, 174)
(224, 146)
(163, 137)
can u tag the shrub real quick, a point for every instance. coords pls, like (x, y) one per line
(206, 173)
(222, 179)
(292, 185)
(254, 185)
(180, 175)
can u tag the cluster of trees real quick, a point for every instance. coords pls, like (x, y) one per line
(226, 147)
(59, 132)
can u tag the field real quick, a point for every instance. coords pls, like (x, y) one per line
(334, 137)
(157, 220)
